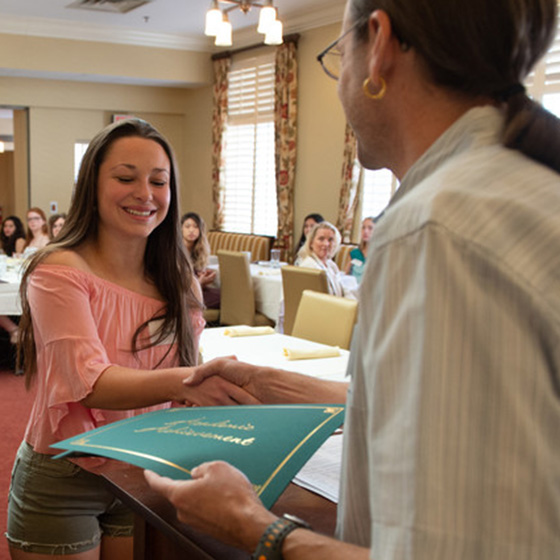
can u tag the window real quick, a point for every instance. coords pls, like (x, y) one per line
(79, 151)
(249, 177)
(377, 189)
(543, 84)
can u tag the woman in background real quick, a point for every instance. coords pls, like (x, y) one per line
(320, 247)
(355, 266)
(198, 249)
(56, 221)
(37, 230)
(13, 236)
(308, 223)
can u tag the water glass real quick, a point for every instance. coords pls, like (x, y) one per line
(275, 258)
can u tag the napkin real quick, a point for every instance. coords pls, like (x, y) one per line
(270, 272)
(311, 354)
(248, 331)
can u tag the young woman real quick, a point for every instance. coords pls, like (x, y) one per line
(13, 236)
(198, 249)
(56, 221)
(37, 230)
(357, 261)
(110, 326)
(320, 247)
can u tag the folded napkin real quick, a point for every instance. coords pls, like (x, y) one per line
(248, 331)
(271, 272)
(311, 354)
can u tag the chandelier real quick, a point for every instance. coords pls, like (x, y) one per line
(218, 25)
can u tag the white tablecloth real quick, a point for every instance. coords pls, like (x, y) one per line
(9, 288)
(267, 350)
(9, 299)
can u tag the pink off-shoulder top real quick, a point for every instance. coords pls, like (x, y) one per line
(82, 325)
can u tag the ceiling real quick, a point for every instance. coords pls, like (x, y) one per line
(162, 23)
(175, 24)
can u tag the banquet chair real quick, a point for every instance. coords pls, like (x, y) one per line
(211, 316)
(295, 279)
(237, 296)
(326, 319)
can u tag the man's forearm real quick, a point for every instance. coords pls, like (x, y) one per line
(276, 386)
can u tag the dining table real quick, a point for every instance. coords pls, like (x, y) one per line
(158, 533)
(10, 279)
(268, 350)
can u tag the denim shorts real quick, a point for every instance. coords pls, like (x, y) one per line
(56, 507)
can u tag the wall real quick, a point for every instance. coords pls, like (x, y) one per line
(63, 112)
(98, 60)
(321, 132)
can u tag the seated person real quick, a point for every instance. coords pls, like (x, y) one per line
(198, 249)
(317, 252)
(356, 264)
(308, 223)
(37, 230)
(12, 236)
(8, 338)
(56, 221)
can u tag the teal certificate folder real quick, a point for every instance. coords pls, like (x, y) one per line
(268, 443)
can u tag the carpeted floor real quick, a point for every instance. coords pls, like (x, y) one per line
(15, 405)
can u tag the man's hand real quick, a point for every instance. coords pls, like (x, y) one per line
(215, 391)
(219, 501)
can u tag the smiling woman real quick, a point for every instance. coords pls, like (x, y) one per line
(320, 247)
(118, 343)
(133, 190)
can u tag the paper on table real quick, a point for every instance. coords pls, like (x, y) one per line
(311, 354)
(321, 474)
(248, 331)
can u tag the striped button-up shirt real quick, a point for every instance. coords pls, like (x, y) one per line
(452, 437)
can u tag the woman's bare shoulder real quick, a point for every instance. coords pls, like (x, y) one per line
(67, 257)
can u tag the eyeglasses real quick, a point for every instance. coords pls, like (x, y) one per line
(329, 58)
(34, 218)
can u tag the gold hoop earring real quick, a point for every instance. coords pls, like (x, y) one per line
(380, 94)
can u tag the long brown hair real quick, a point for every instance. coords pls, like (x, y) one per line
(481, 48)
(165, 259)
(201, 248)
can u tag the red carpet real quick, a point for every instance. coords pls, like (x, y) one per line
(15, 405)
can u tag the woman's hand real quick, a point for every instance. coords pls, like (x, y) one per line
(219, 500)
(216, 391)
(206, 277)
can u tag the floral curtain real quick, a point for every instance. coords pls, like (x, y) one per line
(350, 186)
(285, 131)
(219, 122)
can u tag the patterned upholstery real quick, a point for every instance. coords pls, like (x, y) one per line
(259, 245)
